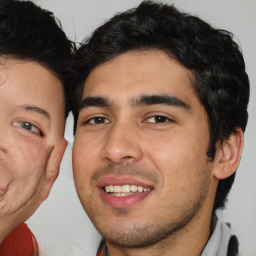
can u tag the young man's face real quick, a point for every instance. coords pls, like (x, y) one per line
(139, 158)
(31, 124)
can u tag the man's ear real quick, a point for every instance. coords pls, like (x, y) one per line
(228, 155)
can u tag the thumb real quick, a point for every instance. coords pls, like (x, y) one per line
(52, 168)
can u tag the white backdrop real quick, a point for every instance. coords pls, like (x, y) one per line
(60, 224)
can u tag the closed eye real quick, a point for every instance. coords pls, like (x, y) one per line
(158, 119)
(28, 126)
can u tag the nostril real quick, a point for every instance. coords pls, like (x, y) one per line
(120, 147)
(127, 157)
(127, 160)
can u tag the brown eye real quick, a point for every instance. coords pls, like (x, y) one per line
(98, 120)
(158, 119)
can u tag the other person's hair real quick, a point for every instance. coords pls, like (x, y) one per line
(28, 32)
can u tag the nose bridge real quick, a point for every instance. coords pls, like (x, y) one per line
(122, 143)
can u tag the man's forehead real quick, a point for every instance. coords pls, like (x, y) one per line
(132, 75)
(140, 62)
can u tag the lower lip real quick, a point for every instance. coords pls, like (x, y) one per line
(123, 201)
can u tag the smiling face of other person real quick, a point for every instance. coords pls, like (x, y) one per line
(32, 123)
(139, 156)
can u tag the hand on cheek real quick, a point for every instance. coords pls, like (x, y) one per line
(52, 171)
(39, 192)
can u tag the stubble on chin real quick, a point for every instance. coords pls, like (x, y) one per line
(158, 229)
(153, 232)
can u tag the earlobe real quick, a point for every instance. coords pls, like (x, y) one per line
(228, 155)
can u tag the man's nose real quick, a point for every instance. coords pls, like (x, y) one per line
(122, 145)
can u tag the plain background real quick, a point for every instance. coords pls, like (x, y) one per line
(60, 224)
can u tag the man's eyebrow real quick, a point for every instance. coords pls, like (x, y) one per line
(162, 99)
(95, 102)
(37, 110)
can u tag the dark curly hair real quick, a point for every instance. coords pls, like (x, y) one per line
(29, 32)
(220, 80)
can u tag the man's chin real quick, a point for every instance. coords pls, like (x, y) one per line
(134, 236)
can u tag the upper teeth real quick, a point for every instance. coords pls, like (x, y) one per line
(125, 189)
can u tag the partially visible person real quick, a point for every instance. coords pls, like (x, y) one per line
(34, 73)
(160, 112)
(20, 242)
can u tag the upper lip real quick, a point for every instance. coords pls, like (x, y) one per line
(120, 181)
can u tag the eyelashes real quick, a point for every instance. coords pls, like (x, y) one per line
(28, 127)
(157, 119)
(97, 120)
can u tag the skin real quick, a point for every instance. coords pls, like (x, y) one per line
(160, 145)
(31, 138)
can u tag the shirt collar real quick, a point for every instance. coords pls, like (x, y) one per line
(102, 251)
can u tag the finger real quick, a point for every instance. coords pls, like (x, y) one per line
(52, 169)
(54, 161)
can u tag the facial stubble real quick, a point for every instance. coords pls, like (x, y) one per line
(152, 231)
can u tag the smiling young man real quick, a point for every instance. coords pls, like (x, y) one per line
(34, 70)
(160, 111)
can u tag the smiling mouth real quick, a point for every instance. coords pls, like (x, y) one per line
(125, 190)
